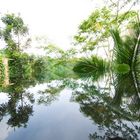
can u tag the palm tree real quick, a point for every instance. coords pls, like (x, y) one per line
(126, 50)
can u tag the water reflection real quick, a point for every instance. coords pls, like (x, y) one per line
(116, 115)
(72, 108)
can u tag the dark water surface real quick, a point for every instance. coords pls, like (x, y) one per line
(70, 109)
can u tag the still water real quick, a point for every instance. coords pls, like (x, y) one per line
(71, 109)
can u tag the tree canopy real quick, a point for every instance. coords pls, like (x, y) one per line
(13, 32)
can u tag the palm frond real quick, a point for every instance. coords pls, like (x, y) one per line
(127, 49)
(93, 66)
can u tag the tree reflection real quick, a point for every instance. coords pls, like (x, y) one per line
(18, 111)
(117, 116)
(23, 74)
(16, 107)
(50, 94)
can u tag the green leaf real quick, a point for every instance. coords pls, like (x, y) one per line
(122, 68)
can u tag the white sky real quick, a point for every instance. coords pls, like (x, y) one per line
(56, 19)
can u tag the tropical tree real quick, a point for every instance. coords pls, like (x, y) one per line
(95, 31)
(107, 26)
(126, 48)
(13, 32)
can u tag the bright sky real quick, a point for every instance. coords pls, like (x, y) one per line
(56, 19)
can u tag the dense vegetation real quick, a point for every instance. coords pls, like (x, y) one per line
(115, 31)
(103, 28)
(106, 27)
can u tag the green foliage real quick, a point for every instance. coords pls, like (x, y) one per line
(39, 69)
(122, 68)
(96, 29)
(19, 65)
(55, 52)
(53, 49)
(93, 66)
(13, 32)
(1, 71)
(96, 32)
(125, 49)
(13, 24)
(59, 68)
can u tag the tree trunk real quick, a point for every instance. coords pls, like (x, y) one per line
(135, 53)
